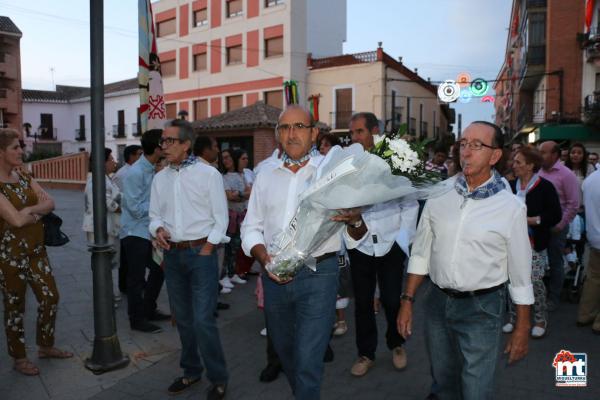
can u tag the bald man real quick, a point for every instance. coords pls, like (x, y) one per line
(567, 186)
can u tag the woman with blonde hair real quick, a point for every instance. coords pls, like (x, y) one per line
(23, 258)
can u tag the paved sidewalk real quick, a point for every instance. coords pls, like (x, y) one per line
(154, 358)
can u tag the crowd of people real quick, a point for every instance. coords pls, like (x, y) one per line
(184, 212)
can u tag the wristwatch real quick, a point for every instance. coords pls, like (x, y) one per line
(538, 221)
(356, 224)
(407, 297)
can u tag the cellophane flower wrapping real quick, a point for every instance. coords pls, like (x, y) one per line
(347, 178)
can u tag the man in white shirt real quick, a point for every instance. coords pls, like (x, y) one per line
(299, 312)
(188, 218)
(590, 297)
(377, 239)
(471, 241)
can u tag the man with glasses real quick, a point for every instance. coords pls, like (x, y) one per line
(188, 218)
(470, 241)
(136, 245)
(300, 312)
(377, 239)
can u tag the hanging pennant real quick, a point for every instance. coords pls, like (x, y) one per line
(314, 106)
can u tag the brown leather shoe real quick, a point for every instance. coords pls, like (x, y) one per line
(361, 366)
(399, 358)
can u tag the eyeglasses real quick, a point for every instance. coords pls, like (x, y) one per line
(474, 145)
(286, 128)
(168, 141)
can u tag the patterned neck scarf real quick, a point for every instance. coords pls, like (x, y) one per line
(289, 161)
(484, 191)
(191, 160)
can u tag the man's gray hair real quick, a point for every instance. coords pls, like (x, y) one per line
(185, 133)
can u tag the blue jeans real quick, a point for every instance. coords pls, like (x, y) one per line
(300, 317)
(192, 283)
(463, 339)
(556, 276)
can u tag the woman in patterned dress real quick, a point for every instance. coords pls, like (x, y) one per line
(23, 258)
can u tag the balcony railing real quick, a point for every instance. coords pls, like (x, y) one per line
(524, 116)
(45, 134)
(592, 102)
(536, 4)
(119, 131)
(80, 135)
(134, 130)
(340, 119)
(536, 55)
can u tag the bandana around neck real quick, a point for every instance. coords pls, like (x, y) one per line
(191, 160)
(289, 161)
(489, 189)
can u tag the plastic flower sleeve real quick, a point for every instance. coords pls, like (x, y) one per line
(346, 178)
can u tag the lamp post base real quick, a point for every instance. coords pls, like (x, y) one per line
(106, 356)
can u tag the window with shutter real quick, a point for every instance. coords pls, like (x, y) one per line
(274, 47)
(167, 27)
(168, 68)
(234, 8)
(274, 98)
(200, 62)
(234, 55)
(235, 102)
(200, 109)
(171, 110)
(200, 17)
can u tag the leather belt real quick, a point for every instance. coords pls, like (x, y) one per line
(187, 244)
(325, 256)
(457, 294)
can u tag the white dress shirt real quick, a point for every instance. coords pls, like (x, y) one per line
(273, 203)
(591, 201)
(476, 245)
(387, 222)
(119, 176)
(189, 203)
(268, 163)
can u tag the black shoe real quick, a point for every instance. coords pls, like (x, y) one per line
(328, 354)
(146, 327)
(216, 392)
(270, 373)
(222, 306)
(159, 316)
(181, 384)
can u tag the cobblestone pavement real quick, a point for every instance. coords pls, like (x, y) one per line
(154, 358)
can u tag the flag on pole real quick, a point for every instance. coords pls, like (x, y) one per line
(153, 112)
(589, 13)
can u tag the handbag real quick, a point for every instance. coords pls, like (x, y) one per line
(53, 236)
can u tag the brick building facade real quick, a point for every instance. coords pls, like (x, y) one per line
(11, 114)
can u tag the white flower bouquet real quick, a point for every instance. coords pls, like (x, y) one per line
(348, 178)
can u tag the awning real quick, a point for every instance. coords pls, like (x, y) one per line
(560, 132)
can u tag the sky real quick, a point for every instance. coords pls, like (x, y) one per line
(442, 38)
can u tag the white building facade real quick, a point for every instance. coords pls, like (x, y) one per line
(60, 120)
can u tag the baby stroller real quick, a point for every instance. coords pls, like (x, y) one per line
(574, 269)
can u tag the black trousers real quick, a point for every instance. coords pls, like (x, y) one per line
(141, 293)
(366, 271)
(122, 270)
